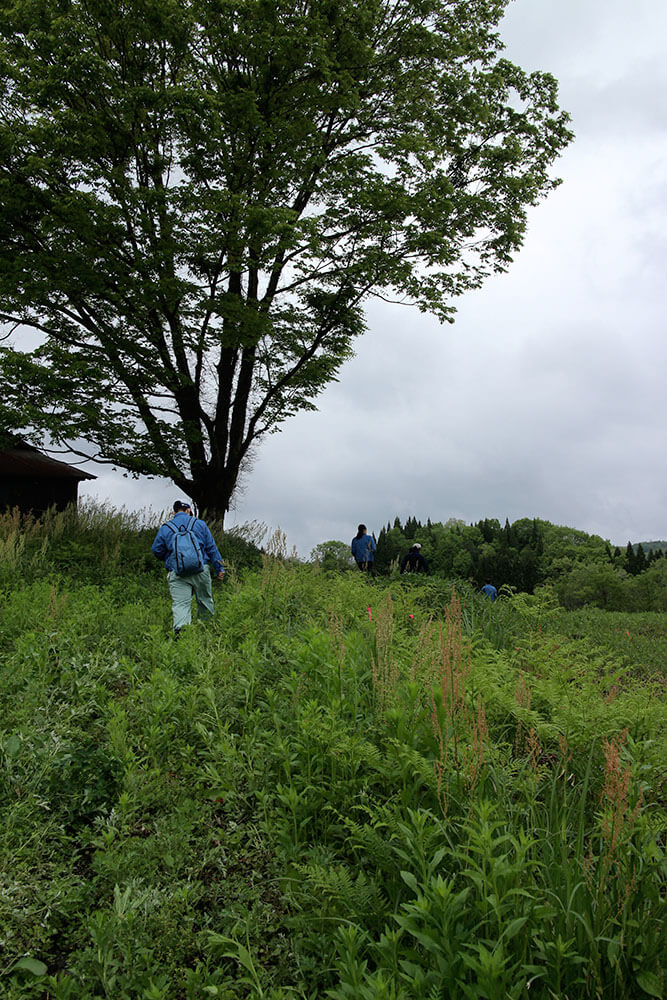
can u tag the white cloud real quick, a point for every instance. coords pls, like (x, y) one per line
(546, 397)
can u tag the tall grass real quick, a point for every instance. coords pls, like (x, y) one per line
(341, 787)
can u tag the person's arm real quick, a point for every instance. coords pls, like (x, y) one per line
(159, 548)
(211, 550)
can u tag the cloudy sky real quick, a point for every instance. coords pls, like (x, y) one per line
(546, 397)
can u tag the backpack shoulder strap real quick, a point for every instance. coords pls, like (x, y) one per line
(169, 524)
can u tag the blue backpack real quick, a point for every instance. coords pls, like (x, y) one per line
(186, 547)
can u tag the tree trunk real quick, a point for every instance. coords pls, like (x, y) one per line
(212, 492)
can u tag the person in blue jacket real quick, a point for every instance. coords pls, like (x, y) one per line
(363, 549)
(183, 588)
(490, 591)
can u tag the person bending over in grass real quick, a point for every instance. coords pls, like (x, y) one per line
(185, 545)
(363, 549)
(413, 561)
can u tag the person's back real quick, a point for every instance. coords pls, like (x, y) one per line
(363, 548)
(163, 547)
(177, 543)
(490, 591)
(413, 561)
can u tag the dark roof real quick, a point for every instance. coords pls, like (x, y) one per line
(23, 460)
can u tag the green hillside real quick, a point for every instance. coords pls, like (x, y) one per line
(531, 554)
(660, 546)
(341, 787)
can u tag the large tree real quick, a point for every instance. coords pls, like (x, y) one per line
(198, 196)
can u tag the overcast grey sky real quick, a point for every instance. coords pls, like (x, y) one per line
(546, 397)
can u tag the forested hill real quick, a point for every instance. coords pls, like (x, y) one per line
(655, 546)
(531, 552)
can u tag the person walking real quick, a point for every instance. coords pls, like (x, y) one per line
(490, 591)
(186, 546)
(413, 561)
(363, 549)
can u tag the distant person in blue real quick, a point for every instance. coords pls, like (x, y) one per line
(413, 561)
(490, 590)
(363, 549)
(183, 588)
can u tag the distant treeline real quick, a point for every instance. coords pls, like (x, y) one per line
(582, 568)
(647, 547)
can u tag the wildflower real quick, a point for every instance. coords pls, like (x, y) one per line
(522, 693)
(611, 694)
(534, 748)
(618, 817)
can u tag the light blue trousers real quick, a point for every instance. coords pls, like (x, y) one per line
(183, 589)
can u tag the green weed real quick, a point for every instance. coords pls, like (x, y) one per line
(339, 787)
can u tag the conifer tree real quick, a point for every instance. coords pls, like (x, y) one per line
(640, 559)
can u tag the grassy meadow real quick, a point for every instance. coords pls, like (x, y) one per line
(340, 788)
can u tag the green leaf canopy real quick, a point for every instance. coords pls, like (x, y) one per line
(199, 195)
